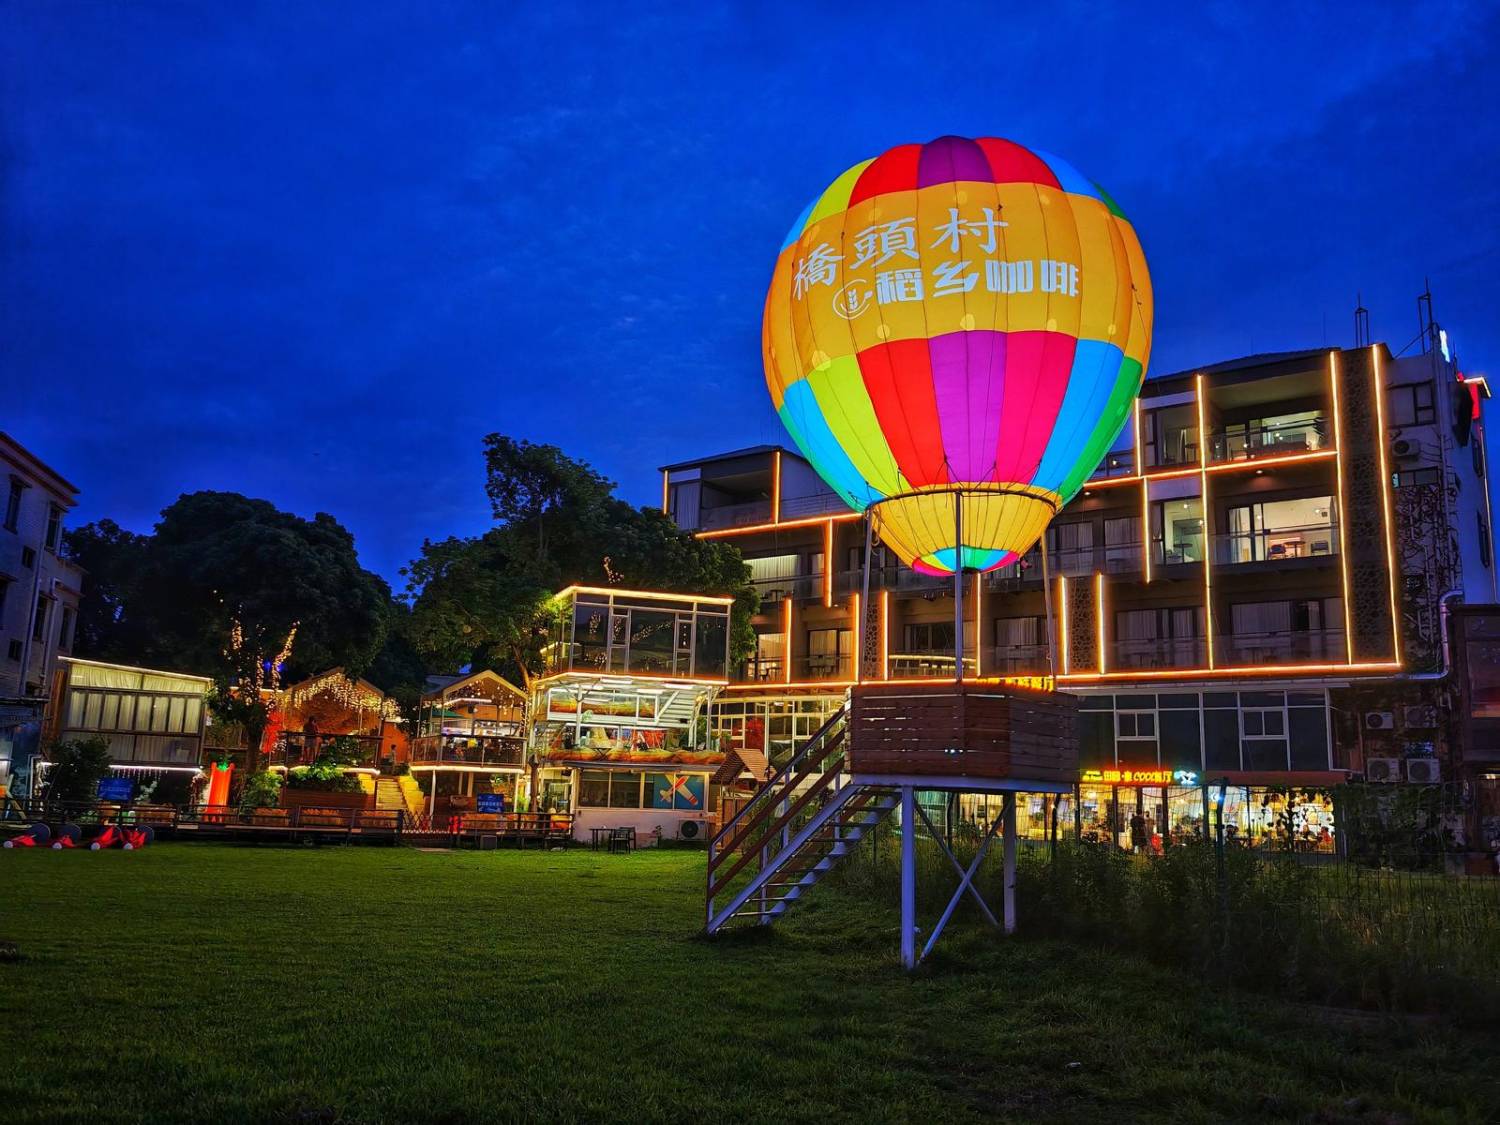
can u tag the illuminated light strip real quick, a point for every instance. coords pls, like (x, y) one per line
(979, 624)
(585, 677)
(1272, 462)
(369, 770)
(776, 487)
(1219, 673)
(885, 634)
(786, 641)
(1385, 500)
(656, 595)
(828, 563)
(1062, 618)
(1146, 527)
(748, 529)
(1208, 539)
(443, 767)
(664, 476)
(820, 684)
(78, 660)
(859, 636)
(1099, 617)
(1338, 445)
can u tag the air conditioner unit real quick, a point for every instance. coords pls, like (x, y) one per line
(1404, 449)
(1419, 715)
(1380, 720)
(692, 830)
(1382, 769)
(1423, 771)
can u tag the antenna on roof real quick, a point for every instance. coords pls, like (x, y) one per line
(1426, 326)
(1361, 322)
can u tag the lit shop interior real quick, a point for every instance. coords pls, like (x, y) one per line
(619, 720)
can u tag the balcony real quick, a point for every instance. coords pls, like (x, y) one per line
(734, 515)
(1122, 558)
(924, 664)
(1168, 652)
(1307, 646)
(1284, 544)
(818, 504)
(501, 752)
(1014, 660)
(1270, 439)
(1184, 551)
(804, 669)
(799, 587)
(295, 748)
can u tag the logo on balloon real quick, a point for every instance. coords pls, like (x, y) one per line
(850, 301)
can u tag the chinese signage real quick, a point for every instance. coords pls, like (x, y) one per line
(902, 261)
(1146, 775)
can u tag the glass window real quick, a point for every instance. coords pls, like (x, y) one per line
(1177, 530)
(624, 790)
(1482, 657)
(1309, 737)
(652, 633)
(1221, 740)
(1410, 405)
(1096, 739)
(39, 624)
(1180, 745)
(593, 789)
(710, 646)
(13, 504)
(54, 526)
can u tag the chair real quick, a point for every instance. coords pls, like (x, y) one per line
(621, 839)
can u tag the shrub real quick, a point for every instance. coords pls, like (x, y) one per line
(77, 768)
(262, 791)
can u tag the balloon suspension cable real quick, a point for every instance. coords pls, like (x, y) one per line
(867, 663)
(958, 587)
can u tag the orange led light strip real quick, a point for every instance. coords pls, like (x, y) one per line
(828, 563)
(657, 595)
(1219, 673)
(1099, 616)
(978, 624)
(664, 479)
(786, 634)
(776, 487)
(1338, 443)
(885, 634)
(1385, 500)
(859, 629)
(751, 528)
(1062, 619)
(1208, 541)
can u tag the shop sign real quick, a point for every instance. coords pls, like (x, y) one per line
(489, 802)
(1148, 775)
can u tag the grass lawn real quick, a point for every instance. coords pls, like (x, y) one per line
(212, 983)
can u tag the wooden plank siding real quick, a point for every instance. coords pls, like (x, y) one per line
(979, 730)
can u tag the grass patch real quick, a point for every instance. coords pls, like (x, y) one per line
(200, 982)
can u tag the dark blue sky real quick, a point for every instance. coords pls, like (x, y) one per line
(312, 252)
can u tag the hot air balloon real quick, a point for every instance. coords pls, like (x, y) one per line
(953, 337)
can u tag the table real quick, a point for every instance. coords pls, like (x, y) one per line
(595, 831)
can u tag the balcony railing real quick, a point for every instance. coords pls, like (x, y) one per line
(921, 664)
(1283, 544)
(1014, 660)
(1188, 549)
(501, 752)
(734, 515)
(1267, 648)
(1122, 558)
(797, 586)
(818, 504)
(768, 670)
(1275, 440)
(1169, 652)
(295, 748)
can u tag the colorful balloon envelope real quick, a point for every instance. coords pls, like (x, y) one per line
(954, 335)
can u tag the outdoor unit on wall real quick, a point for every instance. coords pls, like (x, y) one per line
(1423, 771)
(692, 830)
(1382, 769)
(1404, 449)
(1380, 720)
(1420, 715)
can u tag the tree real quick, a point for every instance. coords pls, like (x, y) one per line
(478, 602)
(77, 768)
(111, 558)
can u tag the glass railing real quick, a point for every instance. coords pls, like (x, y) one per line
(921, 664)
(797, 586)
(1267, 648)
(818, 504)
(734, 515)
(478, 751)
(1188, 549)
(1184, 652)
(1279, 545)
(769, 670)
(823, 666)
(1015, 660)
(1122, 558)
(1270, 440)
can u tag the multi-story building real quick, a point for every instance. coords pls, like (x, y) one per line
(1252, 589)
(39, 593)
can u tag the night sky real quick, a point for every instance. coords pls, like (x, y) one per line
(313, 252)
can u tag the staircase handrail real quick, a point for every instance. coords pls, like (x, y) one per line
(780, 775)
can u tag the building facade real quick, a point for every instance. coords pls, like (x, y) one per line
(39, 595)
(1253, 590)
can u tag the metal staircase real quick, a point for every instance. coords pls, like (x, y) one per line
(795, 829)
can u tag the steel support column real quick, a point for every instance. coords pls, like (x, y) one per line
(908, 877)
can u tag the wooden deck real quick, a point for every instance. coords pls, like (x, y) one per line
(996, 732)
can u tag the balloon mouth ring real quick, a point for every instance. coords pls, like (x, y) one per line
(941, 529)
(1028, 491)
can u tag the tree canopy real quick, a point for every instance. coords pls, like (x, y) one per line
(478, 602)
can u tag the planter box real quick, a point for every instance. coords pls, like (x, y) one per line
(317, 799)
